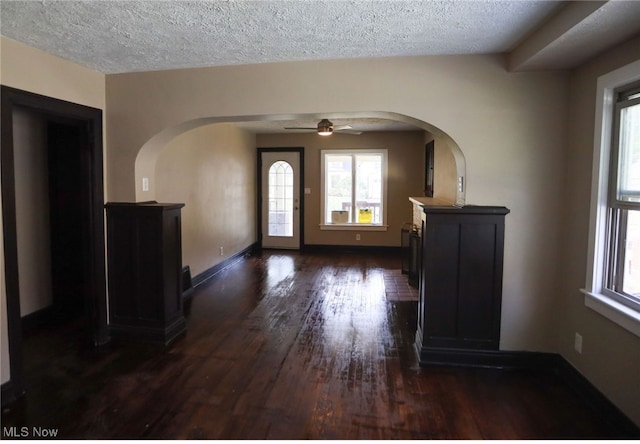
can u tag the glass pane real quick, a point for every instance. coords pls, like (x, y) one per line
(369, 188)
(280, 199)
(629, 155)
(631, 267)
(338, 187)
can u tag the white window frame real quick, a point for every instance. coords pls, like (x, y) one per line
(597, 296)
(354, 226)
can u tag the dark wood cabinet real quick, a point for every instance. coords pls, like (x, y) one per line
(461, 280)
(145, 267)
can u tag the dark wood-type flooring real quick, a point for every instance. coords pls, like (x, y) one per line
(288, 345)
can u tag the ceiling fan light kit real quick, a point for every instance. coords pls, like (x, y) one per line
(325, 128)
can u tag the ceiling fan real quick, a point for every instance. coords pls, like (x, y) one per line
(326, 128)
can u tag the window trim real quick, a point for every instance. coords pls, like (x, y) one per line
(597, 296)
(385, 177)
(614, 177)
(617, 207)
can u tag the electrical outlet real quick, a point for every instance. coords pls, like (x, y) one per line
(221, 251)
(358, 236)
(577, 344)
(145, 184)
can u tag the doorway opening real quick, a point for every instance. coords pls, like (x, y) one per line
(53, 227)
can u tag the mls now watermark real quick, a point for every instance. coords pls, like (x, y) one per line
(29, 432)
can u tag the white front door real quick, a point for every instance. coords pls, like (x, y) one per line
(280, 199)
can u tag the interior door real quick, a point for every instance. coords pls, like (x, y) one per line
(280, 191)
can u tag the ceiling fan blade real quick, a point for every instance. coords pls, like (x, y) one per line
(348, 131)
(301, 128)
(341, 127)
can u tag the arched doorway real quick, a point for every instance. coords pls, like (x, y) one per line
(148, 153)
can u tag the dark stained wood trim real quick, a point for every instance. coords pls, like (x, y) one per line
(9, 393)
(211, 272)
(96, 301)
(485, 358)
(186, 282)
(299, 150)
(153, 335)
(534, 361)
(593, 397)
(36, 319)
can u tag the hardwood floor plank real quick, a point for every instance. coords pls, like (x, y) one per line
(289, 345)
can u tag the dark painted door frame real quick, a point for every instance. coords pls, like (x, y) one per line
(95, 299)
(300, 151)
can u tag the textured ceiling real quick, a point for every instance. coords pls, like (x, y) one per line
(127, 36)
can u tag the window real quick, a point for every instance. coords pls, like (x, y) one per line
(281, 199)
(354, 189)
(623, 224)
(613, 269)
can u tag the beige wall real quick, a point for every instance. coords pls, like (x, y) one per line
(405, 178)
(611, 355)
(32, 210)
(212, 169)
(32, 70)
(511, 128)
(522, 142)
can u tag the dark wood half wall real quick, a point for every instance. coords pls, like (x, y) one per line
(145, 267)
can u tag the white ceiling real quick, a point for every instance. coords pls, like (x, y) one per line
(128, 36)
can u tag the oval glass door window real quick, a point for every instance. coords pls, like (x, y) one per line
(281, 199)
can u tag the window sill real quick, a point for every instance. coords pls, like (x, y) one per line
(353, 227)
(624, 316)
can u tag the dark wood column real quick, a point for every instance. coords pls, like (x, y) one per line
(145, 262)
(461, 280)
